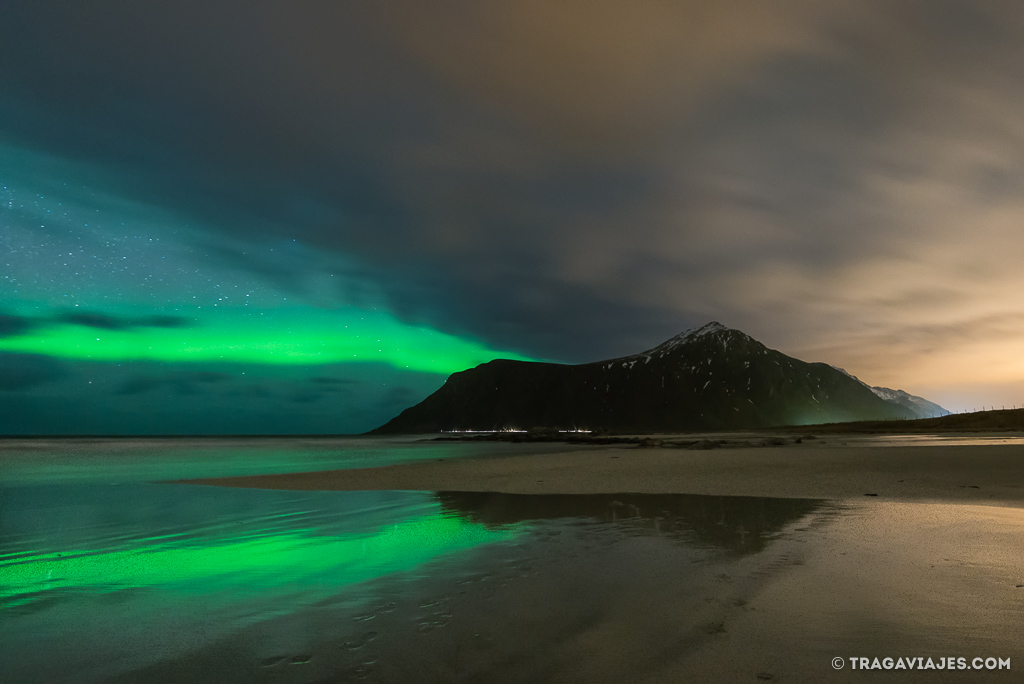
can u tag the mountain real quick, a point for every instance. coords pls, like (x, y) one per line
(708, 378)
(922, 408)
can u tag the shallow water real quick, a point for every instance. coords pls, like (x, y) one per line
(107, 576)
(123, 460)
(104, 570)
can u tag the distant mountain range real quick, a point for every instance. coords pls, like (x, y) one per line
(707, 378)
(921, 407)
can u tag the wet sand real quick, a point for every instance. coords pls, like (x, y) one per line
(966, 474)
(928, 566)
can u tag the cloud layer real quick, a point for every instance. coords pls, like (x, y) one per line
(843, 180)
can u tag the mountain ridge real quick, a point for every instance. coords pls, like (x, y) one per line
(706, 378)
(921, 407)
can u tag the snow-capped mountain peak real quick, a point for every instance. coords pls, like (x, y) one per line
(714, 328)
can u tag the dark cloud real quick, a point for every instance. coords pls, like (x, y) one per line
(206, 376)
(140, 385)
(12, 326)
(306, 396)
(398, 398)
(92, 319)
(332, 384)
(256, 392)
(199, 399)
(95, 320)
(183, 382)
(19, 372)
(320, 385)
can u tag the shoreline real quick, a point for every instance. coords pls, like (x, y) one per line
(989, 474)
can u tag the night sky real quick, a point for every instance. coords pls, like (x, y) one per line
(287, 217)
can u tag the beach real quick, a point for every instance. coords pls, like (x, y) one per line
(754, 563)
(990, 474)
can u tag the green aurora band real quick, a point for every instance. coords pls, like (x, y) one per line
(277, 337)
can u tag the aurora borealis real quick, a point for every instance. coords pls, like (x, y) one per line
(226, 217)
(113, 308)
(294, 337)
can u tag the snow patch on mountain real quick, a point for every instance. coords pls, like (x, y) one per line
(721, 332)
(919, 405)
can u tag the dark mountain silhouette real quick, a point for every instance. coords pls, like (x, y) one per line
(709, 378)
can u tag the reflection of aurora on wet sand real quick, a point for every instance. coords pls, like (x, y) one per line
(108, 573)
(241, 565)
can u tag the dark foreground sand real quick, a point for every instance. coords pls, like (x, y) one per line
(931, 567)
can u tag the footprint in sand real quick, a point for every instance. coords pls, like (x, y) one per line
(434, 621)
(294, 660)
(360, 641)
(383, 608)
(362, 670)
